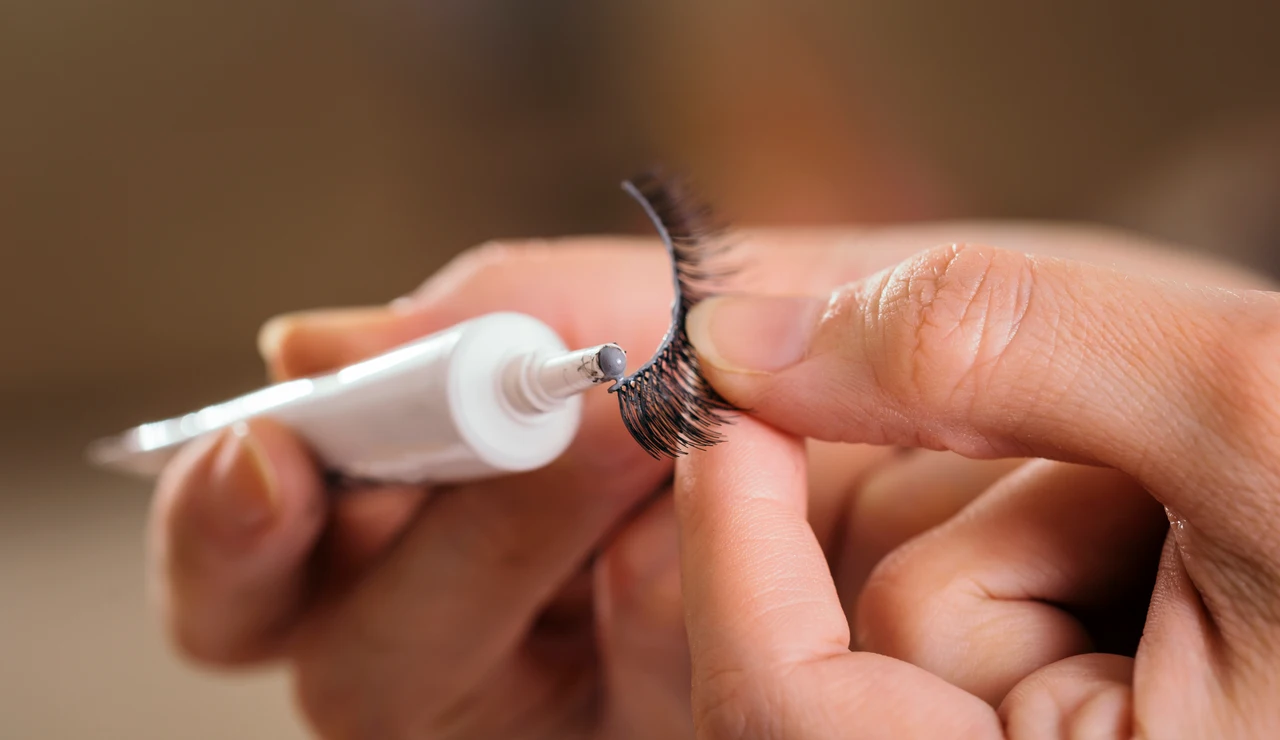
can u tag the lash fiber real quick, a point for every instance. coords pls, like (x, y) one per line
(667, 404)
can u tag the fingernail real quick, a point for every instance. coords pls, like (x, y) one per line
(334, 321)
(243, 495)
(761, 334)
(271, 336)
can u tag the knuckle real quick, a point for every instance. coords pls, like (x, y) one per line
(642, 568)
(490, 253)
(203, 636)
(484, 263)
(501, 535)
(332, 658)
(947, 321)
(1236, 395)
(735, 705)
(198, 645)
(332, 707)
(1245, 357)
(901, 602)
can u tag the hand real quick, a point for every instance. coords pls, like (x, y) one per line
(403, 611)
(1157, 398)
(478, 611)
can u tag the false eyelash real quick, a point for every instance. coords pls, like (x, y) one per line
(667, 405)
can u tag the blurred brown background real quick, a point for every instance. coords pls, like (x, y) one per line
(173, 173)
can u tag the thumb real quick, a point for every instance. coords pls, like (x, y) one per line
(999, 354)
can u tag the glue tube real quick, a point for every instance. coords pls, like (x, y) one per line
(492, 396)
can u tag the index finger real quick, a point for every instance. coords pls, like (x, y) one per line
(767, 636)
(756, 585)
(616, 288)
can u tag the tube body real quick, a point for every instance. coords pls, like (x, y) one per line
(434, 410)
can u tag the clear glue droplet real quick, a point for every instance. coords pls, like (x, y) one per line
(1178, 526)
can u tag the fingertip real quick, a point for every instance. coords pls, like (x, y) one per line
(756, 584)
(240, 483)
(236, 517)
(365, 523)
(311, 342)
(1081, 696)
(754, 462)
(270, 338)
(288, 465)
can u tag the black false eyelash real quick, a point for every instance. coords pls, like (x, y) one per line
(667, 404)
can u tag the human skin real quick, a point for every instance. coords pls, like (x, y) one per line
(1141, 393)
(550, 604)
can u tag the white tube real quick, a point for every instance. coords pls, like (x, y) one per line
(490, 396)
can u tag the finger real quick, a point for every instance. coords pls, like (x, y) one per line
(811, 261)
(463, 588)
(1199, 684)
(623, 280)
(626, 304)
(626, 280)
(905, 498)
(1085, 696)
(529, 278)
(640, 623)
(317, 341)
(236, 517)
(835, 472)
(992, 353)
(364, 524)
(1008, 587)
(523, 277)
(756, 583)
(768, 640)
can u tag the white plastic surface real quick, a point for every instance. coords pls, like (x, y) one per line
(434, 410)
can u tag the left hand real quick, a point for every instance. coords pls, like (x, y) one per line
(538, 605)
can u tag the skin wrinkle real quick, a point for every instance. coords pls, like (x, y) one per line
(775, 625)
(980, 306)
(723, 713)
(1200, 408)
(890, 580)
(874, 325)
(497, 645)
(970, 302)
(767, 544)
(1177, 581)
(982, 357)
(1248, 612)
(914, 298)
(1086, 716)
(941, 605)
(1024, 294)
(1018, 310)
(1130, 347)
(1243, 358)
(918, 296)
(893, 296)
(1100, 387)
(1249, 579)
(1122, 348)
(1187, 339)
(1049, 312)
(832, 714)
